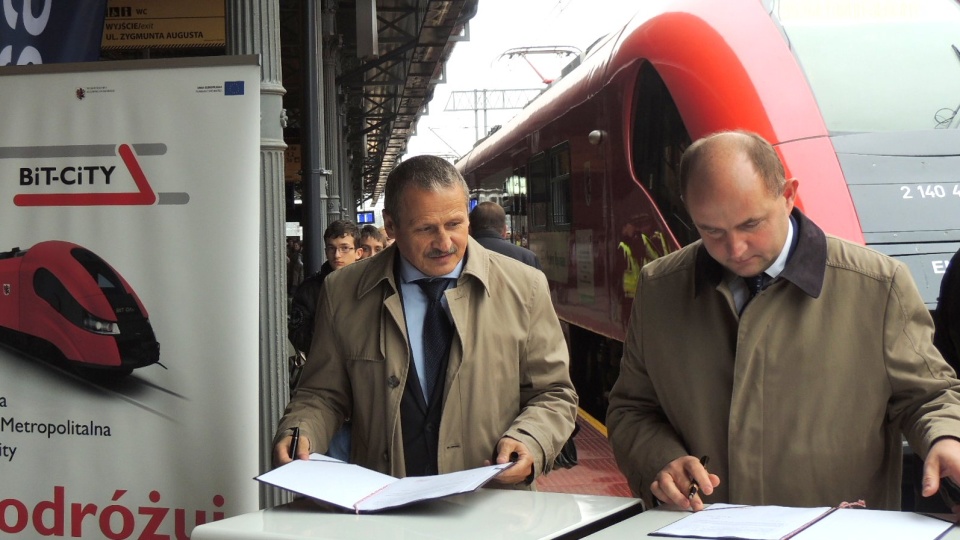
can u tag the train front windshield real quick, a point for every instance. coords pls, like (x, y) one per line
(886, 77)
(101, 273)
(878, 65)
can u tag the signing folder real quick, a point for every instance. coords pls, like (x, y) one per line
(362, 490)
(780, 522)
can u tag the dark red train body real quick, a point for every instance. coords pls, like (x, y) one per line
(61, 294)
(860, 99)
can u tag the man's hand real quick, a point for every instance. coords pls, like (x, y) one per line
(943, 461)
(281, 452)
(509, 449)
(672, 486)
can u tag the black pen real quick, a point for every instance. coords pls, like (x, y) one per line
(293, 443)
(694, 486)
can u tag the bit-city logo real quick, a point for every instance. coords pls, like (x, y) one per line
(84, 175)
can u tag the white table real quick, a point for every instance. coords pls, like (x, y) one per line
(640, 525)
(484, 514)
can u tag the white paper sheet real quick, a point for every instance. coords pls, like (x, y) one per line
(327, 479)
(743, 522)
(875, 525)
(415, 488)
(777, 522)
(363, 490)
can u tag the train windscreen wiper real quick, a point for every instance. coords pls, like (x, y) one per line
(950, 119)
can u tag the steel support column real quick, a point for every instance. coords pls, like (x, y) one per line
(312, 145)
(331, 136)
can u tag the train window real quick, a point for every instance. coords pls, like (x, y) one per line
(538, 193)
(659, 139)
(518, 191)
(560, 187)
(515, 205)
(52, 290)
(98, 269)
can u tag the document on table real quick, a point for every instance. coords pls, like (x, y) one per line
(362, 490)
(876, 525)
(743, 522)
(779, 522)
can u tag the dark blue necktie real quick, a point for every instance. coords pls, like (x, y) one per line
(755, 284)
(437, 333)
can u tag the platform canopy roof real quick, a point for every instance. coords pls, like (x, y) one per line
(387, 82)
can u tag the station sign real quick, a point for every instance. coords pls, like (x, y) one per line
(141, 24)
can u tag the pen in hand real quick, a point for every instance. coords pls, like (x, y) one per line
(694, 486)
(293, 443)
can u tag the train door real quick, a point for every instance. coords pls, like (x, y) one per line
(650, 223)
(659, 139)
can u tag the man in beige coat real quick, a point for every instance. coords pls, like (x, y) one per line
(799, 394)
(505, 393)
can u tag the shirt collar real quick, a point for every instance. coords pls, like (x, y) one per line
(805, 267)
(781, 262)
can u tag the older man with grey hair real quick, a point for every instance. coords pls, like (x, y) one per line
(443, 356)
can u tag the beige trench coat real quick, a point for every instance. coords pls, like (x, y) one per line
(802, 400)
(508, 373)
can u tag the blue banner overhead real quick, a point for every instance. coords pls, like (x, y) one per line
(51, 31)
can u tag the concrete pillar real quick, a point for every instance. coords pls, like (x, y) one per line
(253, 27)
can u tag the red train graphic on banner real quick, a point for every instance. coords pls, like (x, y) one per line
(63, 295)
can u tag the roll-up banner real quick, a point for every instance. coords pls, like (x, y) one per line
(129, 279)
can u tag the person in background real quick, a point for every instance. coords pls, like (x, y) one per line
(341, 241)
(947, 314)
(387, 239)
(294, 266)
(488, 226)
(371, 241)
(474, 373)
(792, 358)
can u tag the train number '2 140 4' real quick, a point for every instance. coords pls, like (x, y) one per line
(929, 191)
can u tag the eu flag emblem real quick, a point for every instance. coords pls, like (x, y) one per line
(233, 88)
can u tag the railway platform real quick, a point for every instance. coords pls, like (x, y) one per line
(596, 472)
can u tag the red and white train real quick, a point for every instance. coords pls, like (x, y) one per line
(61, 295)
(860, 98)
